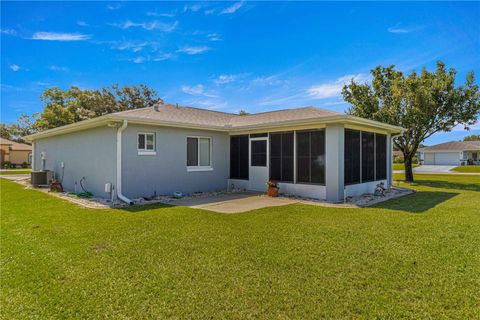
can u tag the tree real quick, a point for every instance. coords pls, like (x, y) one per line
(422, 104)
(243, 113)
(473, 137)
(74, 104)
(25, 125)
(6, 131)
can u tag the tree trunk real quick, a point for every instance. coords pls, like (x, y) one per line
(408, 168)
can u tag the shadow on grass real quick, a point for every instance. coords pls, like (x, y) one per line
(442, 184)
(418, 202)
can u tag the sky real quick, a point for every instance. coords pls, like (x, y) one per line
(229, 56)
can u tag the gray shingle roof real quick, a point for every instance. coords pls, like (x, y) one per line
(453, 146)
(280, 116)
(188, 117)
(195, 116)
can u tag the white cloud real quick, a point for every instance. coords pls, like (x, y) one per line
(114, 6)
(56, 36)
(9, 32)
(225, 78)
(82, 23)
(214, 37)
(206, 103)
(138, 60)
(156, 14)
(233, 8)
(58, 68)
(14, 67)
(397, 30)
(198, 90)
(210, 11)
(267, 81)
(333, 89)
(193, 7)
(153, 25)
(129, 45)
(163, 56)
(193, 50)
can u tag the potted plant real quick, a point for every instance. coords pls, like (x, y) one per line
(272, 190)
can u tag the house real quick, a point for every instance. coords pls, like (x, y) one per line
(452, 153)
(18, 154)
(163, 149)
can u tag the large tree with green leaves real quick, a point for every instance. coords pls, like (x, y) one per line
(74, 104)
(423, 104)
(472, 137)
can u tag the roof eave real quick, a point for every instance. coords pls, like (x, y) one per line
(77, 126)
(102, 120)
(341, 118)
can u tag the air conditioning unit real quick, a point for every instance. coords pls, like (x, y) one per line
(41, 178)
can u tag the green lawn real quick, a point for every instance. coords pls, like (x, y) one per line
(16, 171)
(467, 169)
(415, 257)
(401, 166)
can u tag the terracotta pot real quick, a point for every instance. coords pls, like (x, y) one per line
(272, 192)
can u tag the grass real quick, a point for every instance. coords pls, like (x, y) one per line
(412, 257)
(467, 169)
(401, 166)
(16, 171)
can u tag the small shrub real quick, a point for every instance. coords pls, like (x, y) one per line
(24, 165)
(398, 159)
(7, 165)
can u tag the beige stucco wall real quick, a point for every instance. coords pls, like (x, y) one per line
(19, 157)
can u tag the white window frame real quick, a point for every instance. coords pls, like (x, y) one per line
(145, 151)
(198, 167)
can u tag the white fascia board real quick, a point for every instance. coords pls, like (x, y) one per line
(77, 126)
(153, 122)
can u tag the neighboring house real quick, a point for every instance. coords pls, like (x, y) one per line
(16, 153)
(453, 153)
(159, 150)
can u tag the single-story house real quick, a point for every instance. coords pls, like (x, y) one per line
(311, 152)
(452, 153)
(18, 154)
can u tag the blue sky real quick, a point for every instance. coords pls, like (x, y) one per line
(227, 56)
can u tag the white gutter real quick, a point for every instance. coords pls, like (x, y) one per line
(119, 163)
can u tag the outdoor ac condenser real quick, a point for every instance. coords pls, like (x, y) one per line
(41, 178)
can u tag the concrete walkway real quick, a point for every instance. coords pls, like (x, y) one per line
(437, 169)
(433, 169)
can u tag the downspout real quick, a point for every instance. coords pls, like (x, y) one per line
(119, 163)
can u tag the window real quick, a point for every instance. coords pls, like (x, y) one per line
(281, 156)
(239, 157)
(199, 154)
(259, 153)
(368, 156)
(364, 153)
(146, 143)
(380, 156)
(352, 157)
(311, 156)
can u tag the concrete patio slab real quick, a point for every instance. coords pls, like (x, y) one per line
(234, 203)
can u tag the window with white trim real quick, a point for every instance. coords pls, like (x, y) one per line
(199, 153)
(146, 142)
